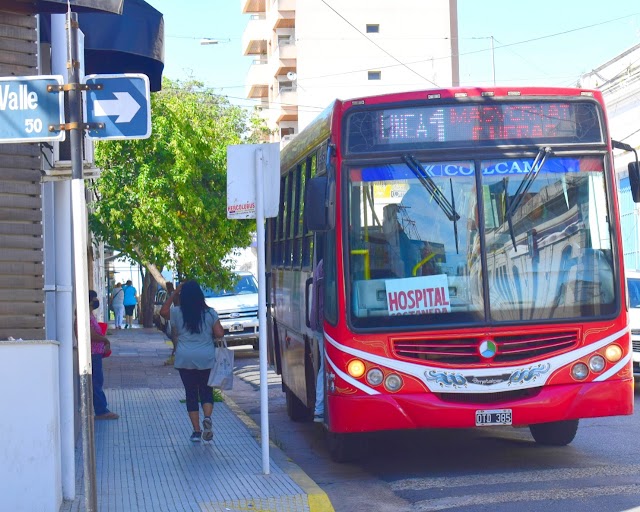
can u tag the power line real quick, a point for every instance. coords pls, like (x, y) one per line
(377, 45)
(556, 34)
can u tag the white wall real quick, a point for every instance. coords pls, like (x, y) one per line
(333, 58)
(30, 477)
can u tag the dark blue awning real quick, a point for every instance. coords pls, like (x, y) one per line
(60, 6)
(132, 42)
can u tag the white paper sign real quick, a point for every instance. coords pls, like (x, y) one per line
(418, 295)
(241, 180)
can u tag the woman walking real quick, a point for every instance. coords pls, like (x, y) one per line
(195, 328)
(117, 305)
(130, 301)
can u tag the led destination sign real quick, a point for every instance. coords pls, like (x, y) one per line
(467, 124)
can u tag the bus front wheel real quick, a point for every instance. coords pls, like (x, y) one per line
(557, 433)
(345, 447)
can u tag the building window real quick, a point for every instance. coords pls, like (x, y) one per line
(287, 133)
(373, 29)
(375, 75)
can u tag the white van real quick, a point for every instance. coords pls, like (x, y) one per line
(633, 284)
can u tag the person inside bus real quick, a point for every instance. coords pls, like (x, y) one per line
(316, 321)
(403, 254)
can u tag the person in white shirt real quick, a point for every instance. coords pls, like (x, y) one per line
(117, 305)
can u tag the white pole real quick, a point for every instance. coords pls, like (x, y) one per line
(262, 313)
(64, 285)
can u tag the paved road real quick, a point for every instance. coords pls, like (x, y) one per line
(497, 469)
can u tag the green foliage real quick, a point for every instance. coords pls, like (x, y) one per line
(168, 192)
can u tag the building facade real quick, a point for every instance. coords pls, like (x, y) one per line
(619, 81)
(307, 54)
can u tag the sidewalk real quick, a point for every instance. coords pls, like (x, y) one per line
(146, 462)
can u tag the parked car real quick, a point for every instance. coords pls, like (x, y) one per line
(633, 285)
(237, 309)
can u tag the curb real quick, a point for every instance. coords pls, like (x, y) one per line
(317, 499)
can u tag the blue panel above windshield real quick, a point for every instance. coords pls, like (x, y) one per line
(454, 169)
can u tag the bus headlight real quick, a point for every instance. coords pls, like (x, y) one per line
(356, 368)
(374, 377)
(613, 353)
(596, 363)
(393, 382)
(579, 371)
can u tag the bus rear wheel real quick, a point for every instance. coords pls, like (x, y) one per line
(345, 447)
(296, 410)
(557, 433)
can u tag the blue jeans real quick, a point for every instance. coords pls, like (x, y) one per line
(97, 379)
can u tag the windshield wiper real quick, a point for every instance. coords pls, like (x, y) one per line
(427, 182)
(526, 183)
(523, 188)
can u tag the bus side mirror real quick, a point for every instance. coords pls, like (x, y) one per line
(634, 181)
(319, 204)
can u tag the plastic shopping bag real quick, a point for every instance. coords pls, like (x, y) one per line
(221, 375)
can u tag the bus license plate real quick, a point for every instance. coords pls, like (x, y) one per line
(493, 417)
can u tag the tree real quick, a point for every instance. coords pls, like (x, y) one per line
(161, 201)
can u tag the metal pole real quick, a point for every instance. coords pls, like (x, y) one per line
(493, 61)
(79, 221)
(262, 314)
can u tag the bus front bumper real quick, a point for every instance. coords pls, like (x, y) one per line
(416, 411)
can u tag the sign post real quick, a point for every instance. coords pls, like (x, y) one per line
(257, 165)
(31, 109)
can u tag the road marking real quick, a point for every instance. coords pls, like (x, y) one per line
(520, 496)
(251, 374)
(417, 484)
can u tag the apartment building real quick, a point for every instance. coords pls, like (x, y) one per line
(306, 53)
(619, 81)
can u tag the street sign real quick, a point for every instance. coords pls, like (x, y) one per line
(27, 109)
(120, 105)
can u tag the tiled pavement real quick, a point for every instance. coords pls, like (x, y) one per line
(145, 461)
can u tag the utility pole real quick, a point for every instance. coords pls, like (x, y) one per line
(75, 128)
(493, 61)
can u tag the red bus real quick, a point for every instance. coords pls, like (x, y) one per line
(473, 271)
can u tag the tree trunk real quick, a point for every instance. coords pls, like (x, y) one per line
(149, 288)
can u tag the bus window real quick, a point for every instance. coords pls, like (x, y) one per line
(401, 236)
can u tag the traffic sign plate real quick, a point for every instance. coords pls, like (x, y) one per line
(28, 109)
(120, 105)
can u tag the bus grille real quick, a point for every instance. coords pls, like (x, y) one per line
(511, 348)
(488, 398)
(636, 345)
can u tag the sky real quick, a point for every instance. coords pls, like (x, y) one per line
(535, 42)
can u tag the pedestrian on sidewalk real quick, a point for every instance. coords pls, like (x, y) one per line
(130, 302)
(195, 329)
(100, 345)
(117, 305)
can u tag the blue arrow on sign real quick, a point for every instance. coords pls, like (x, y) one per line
(31, 109)
(118, 106)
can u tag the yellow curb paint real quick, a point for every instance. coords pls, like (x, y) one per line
(317, 499)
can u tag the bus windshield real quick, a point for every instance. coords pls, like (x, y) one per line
(415, 251)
